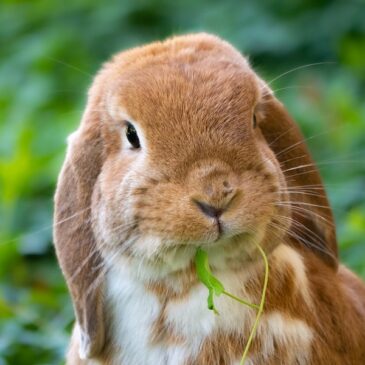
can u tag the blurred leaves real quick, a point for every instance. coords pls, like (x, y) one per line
(49, 51)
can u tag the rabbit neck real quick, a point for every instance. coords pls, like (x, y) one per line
(168, 323)
(156, 325)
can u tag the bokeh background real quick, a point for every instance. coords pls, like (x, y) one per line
(49, 51)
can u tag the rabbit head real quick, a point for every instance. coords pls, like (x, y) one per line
(182, 145)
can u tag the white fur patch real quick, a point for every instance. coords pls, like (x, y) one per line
(288, 256)
(285, 331)
(133, 311)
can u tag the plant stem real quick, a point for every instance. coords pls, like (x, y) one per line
(253, 306)
(261, 308)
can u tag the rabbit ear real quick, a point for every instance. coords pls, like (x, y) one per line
(74, 239)
(313, 224)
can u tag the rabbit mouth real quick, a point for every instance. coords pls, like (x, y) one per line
(168, 259)
(160, 251)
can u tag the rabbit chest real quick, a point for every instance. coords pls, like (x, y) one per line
(147, 327)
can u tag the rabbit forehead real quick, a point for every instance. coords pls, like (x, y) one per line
(198, 74)
(188, 49)
(206, 101)
(210, 110)
(174, 91)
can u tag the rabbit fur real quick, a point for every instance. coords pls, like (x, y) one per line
(221, 165)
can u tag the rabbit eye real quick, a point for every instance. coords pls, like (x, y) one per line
(254, 121)
(132, 136)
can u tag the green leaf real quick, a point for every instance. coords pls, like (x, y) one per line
(215, 287)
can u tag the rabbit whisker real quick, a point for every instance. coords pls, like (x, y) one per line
(303, 212)
(307, 239)
(70, 66)
(51, 226)
(280, 136)
(323, 164)
(302, 226)
(95, 250)
(299, 192)
(315, 186)
(83, 263)
(105, 267)
(300, 203)
(298, 68)
(294, 87)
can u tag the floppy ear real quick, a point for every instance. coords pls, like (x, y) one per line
(313, 224)
(74, 239)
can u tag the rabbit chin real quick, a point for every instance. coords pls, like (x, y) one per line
(151, 258)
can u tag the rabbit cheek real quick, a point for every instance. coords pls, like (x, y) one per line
(280, 219)
(113, 221)
(268, 220)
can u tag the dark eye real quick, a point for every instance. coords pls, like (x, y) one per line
(254, 121)
(132, 136)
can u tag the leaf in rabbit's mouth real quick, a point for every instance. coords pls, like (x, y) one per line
(214, 286)
(229, 239)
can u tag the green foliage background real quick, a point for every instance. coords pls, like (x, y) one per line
(49, 51)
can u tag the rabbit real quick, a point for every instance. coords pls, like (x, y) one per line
(182, 145)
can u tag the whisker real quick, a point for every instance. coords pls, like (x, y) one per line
(305, 203)
(302, 193)
(292, 159)
(287, 149)
(303, 212)
(70, 66)
(281, 135)
(125, 226)
(310, 243)
(300, 225)
(324, 163)
(294, 87)
(97, 249)
(308, 238)
(316, 186)
(107, 266)
(84, 262)
(299, 68)
(23, 235)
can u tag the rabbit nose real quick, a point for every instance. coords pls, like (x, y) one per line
(218, 192)
(209, 210)
(227, 188)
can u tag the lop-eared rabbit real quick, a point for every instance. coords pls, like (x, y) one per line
(183, 146)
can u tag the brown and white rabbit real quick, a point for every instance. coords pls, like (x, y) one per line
(183, 146)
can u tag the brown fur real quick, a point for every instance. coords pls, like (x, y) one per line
(195, 96)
